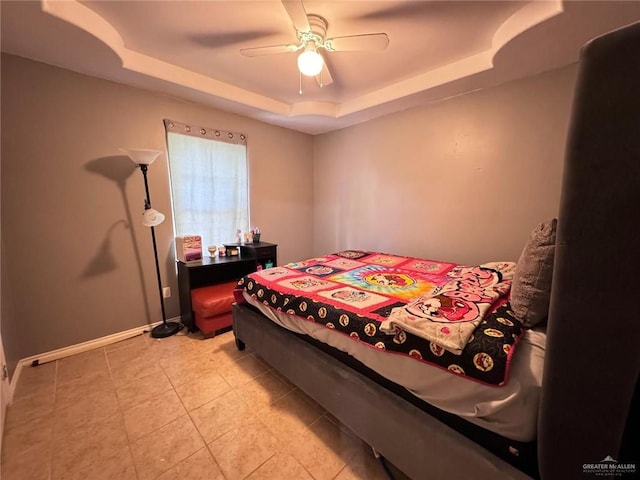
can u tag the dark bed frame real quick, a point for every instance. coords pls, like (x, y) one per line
(589, 405)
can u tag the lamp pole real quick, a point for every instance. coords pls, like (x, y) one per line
(164, 329)
(145, 158)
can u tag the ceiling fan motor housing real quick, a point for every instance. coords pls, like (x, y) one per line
(311, 31)
(316, 34)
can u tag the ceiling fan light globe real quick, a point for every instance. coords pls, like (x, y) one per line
(310, 63)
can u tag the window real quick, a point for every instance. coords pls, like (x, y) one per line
(209, 182)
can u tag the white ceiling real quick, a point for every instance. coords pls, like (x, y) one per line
(191, 49)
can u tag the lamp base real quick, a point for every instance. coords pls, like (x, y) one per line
(166, 329)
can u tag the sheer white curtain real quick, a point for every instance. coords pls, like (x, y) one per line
(209, 186)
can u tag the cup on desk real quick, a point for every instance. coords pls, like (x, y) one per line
(213, 251)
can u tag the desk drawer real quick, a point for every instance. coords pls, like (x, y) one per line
(265, 252)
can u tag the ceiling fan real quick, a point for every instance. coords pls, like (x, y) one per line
(311, 31)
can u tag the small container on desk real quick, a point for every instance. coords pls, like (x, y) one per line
(232, 249)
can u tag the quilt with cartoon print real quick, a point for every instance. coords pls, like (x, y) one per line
(355, 292)
(450, 314)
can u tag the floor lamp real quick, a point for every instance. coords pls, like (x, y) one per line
(152, 218)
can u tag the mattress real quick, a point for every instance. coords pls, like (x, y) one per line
(509, 410)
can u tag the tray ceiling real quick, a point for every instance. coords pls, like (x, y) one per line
(437, 49)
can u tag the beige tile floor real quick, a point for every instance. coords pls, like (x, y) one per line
(182, 407)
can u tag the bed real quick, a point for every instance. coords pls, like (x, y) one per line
(566, 388)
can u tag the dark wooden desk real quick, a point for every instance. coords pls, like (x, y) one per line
(210, 271)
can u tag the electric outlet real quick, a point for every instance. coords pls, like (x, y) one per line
(166, 292)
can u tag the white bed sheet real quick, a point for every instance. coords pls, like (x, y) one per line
(510, 410)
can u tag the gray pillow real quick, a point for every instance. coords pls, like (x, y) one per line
(531, 285)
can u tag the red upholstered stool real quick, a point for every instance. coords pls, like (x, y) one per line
(212, 306)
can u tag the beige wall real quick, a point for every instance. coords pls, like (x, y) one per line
(464, 180)
(77, 261)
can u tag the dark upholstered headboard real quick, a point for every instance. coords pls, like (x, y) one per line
(593, 343)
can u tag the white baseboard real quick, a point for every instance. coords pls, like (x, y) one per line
(75, 349)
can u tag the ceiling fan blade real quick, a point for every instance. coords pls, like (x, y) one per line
(403, 10)
(297, 13)
(324, 78)
(215, 40)
(354, 43)
(271, 50)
